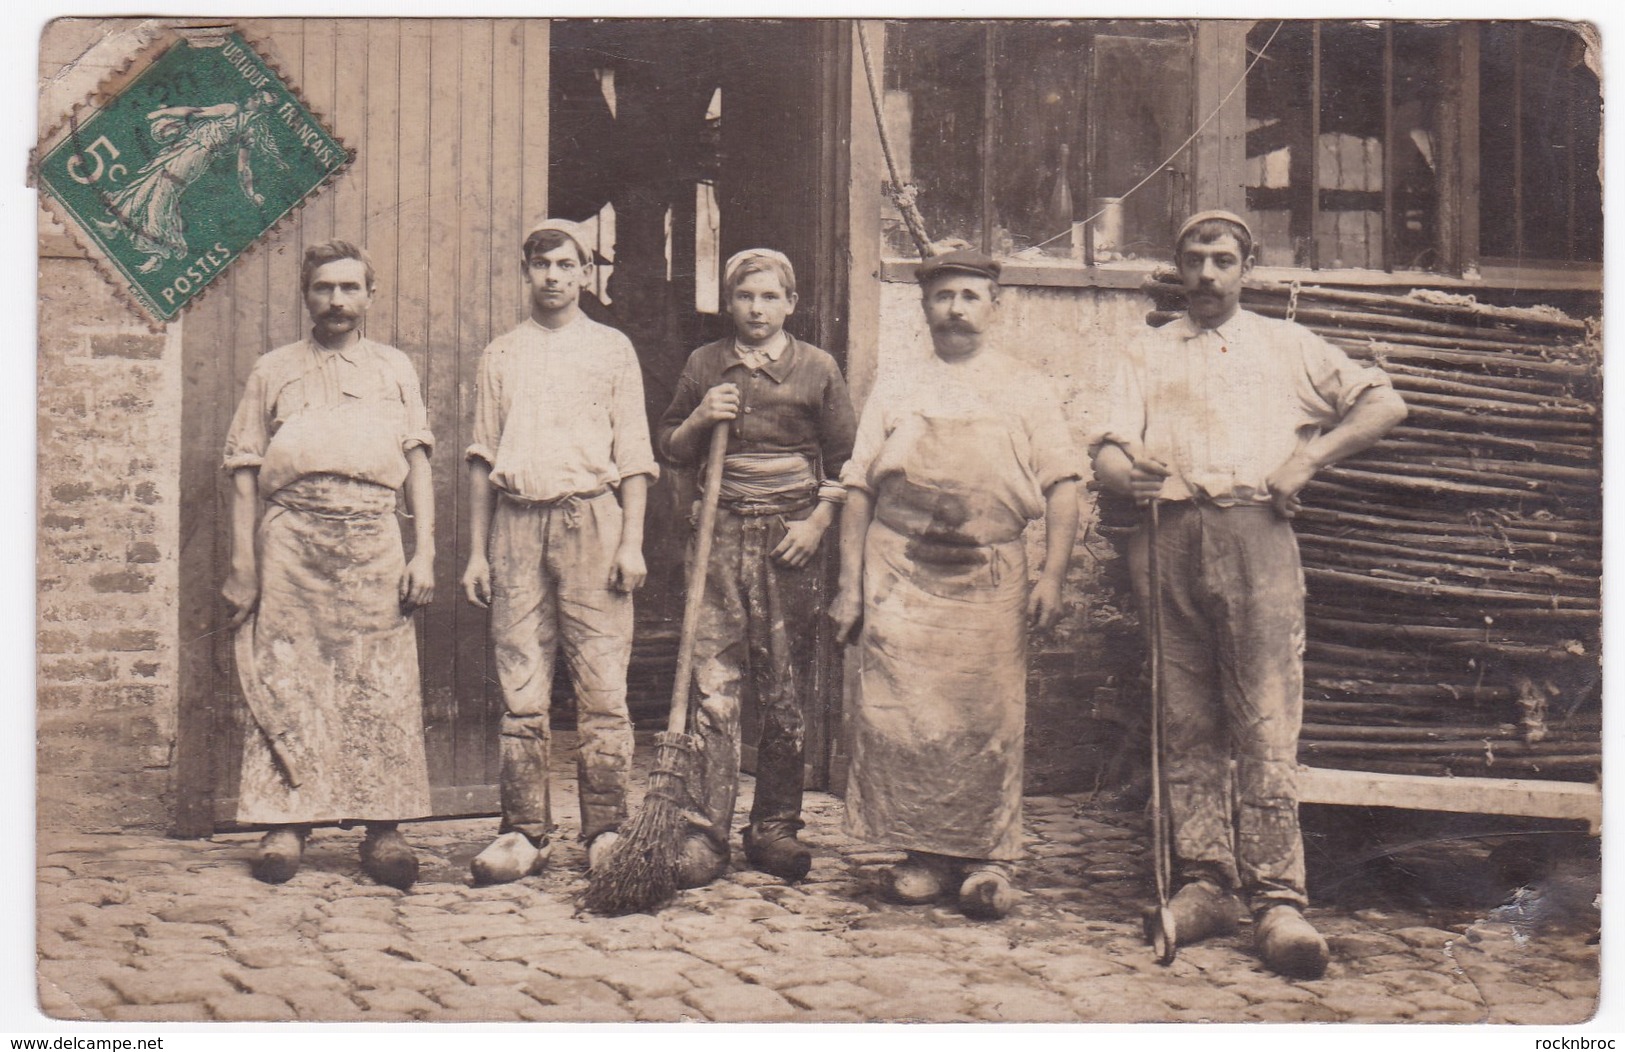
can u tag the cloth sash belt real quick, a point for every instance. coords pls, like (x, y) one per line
(335, 497)
(759, 484)
(570, 503)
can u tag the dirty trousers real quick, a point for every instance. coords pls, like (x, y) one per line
(550, 568)
(1233, 635)
(756, 634)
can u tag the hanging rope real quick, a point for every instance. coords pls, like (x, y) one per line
(902, 194)
(1182, 146)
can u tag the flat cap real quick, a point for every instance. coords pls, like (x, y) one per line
(959, 261)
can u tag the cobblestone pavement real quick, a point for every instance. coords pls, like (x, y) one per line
(137, 927)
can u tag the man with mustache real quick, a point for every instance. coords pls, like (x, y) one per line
(1223, 416)
(954, 456)
(559, 472)
(327, 432)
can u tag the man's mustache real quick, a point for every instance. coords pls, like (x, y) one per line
(953, 325)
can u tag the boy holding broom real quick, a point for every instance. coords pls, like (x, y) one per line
(791, 427)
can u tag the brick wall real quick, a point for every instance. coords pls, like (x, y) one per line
(109, 465)
(1084, 705)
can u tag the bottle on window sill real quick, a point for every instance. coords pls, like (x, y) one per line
(1058, 213)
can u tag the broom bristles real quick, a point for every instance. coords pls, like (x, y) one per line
(640, 872)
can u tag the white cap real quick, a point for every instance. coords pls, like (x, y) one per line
(1214, 213)
(569, 229)
(738, 258)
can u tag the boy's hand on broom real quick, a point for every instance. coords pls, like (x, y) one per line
(720, 403)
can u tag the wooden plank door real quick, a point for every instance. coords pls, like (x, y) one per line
(785, 116)
(449, 123)
(634, 133)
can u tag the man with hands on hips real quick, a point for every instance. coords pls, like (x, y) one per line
(1222, 417)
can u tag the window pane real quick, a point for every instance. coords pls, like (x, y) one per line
(1420, 54)
(1540, 112)
(1278, 92)
(1347, 164)
(1129, 81)
(1348, 156)
(1042, 77)
(933, 106)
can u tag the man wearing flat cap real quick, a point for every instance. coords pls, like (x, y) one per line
(790, 426)
(1222, 417)
(955, 454)
(559, 472)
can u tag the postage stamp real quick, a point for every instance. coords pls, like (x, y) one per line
(173, 177)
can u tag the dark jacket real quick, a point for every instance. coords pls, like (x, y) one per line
(798, 404)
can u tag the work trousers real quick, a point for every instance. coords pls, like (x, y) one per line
(550, 567)
(756, 633)
(1233, 636)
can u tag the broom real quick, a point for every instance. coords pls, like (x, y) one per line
(640, 872)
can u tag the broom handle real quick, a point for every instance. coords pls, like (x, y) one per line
(1162, 862)
(697, 571)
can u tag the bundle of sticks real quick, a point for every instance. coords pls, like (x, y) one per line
(1454, 569)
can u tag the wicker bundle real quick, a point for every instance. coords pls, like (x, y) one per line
(1454, 569)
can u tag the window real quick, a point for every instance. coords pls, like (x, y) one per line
(1015, 132)
(1354, 111)
(1540, 108)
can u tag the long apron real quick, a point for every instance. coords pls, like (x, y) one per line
(337, 660)
(939, 728)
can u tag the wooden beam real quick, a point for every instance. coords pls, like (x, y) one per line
(1219, 155)
(990, 111)
(1314, 147)
(1524, 797)
(1517, 143)
(1572, 197)
(1389, 219)
(1088, 114)
(1466, 144)
(866, 175)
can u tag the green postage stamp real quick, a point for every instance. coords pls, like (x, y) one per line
(190, 162)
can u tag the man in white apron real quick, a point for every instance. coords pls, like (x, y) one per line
(955, 455)
(328, 431)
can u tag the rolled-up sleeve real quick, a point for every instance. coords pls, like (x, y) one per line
(250, 434)
(837, 430)
(871, 435)
(1332, 381)
(487, 434)
(1123, 422)
(629, 441)
(1055, 456)
(684, 400)
(416, 432)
